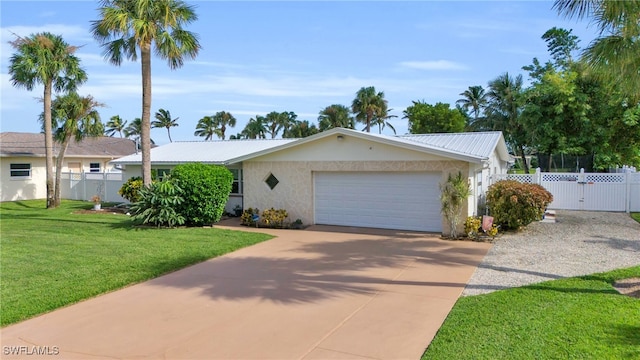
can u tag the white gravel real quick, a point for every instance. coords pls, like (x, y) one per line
(579, 243)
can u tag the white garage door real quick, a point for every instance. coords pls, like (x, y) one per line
(407, 201)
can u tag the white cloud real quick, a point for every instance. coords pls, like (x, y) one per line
(433, 65)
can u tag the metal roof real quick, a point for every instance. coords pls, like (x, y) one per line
(32, 145)
(208, 152)
(479, 144)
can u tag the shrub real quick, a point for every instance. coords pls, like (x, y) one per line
(247, 217)
(453, 193)
(158, 205)
(473, 226)
(130, 189)
(274, 218)
(205, 189)
(515, 205)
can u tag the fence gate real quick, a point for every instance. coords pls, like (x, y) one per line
(587, 191)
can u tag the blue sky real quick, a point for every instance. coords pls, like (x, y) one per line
(298, 56)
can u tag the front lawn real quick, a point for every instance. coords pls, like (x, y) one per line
(575, 318)
(53, 258)
(636, 216)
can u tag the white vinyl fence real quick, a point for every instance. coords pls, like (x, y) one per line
(83, 186)
(586, 191)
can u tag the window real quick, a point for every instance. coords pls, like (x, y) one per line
(272, 181)
(236, 186)
(94, 167)
(20, 170)
(160, 174)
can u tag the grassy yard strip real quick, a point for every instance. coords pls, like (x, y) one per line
(636, 216)
(53, 258)
(574, 318)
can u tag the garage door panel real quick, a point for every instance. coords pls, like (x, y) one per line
(407, 201)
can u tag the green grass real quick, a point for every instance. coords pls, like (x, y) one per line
(575, 318)
(53, 258)
(636, 216)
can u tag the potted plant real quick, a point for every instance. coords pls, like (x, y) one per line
(237, 210)
(96, 202)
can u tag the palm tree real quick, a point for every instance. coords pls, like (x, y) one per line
(473, 98)
(164, 120)
(115, 125)
(615, 55)
(134, 129)
(367, 105)
(74, 117)
(46, 59)
(335, 116)
(221, 120)
(381, 119)
(300, 129)
(503, 112)
(128, 26)
(255, 128)
(206, 128)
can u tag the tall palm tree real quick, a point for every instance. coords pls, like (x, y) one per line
(255, 128)
(616, 53)
(206, 128)
(74, 117)
(164, 120)
(503, 112)
(115, 125)
(126, 27)
(46, 59)
(382, 119)
(474, 99)
(221, 120)
(300, 129)
(335, 116)
(367, 105)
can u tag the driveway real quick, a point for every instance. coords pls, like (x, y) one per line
(321, 293)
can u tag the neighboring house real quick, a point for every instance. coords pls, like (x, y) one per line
(22, 160)
(346, 177)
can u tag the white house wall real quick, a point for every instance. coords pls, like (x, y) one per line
(23, 188)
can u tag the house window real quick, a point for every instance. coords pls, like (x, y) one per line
(160, 174)
(94, 167)
(236, 186)
(20, 171)
(272, 181)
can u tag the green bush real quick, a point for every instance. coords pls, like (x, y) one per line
(130, 189)
(515, 205)
(158, 204)
(205, 189)
(248, 216)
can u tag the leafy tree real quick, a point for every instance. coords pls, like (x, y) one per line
(473, 99)
(335, 116)
(275, 121)
(615, 54)
(46, 59)
(367, 105)
(300, 129)
(453, 195)
(74, 117)
(115, 125)
(164, 120)
(126, 27)
(255, 128)
(221, 120)
(439, 118)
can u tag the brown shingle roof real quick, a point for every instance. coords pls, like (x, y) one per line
(30, 144)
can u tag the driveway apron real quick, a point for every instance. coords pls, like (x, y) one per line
(321, 293)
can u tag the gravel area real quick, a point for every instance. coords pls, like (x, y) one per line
(579, 243)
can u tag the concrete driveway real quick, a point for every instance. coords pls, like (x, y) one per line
(321, 293)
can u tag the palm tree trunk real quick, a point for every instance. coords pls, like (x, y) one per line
(169, 134)
(145, 133)
(48, 145)
(59, 161)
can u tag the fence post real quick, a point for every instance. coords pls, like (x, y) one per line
(627, 193)
(537, 178)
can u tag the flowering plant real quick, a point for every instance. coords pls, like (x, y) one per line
(96, 199)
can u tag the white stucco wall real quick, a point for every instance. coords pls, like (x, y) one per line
(13, 189)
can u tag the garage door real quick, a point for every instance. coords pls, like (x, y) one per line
(407, 201)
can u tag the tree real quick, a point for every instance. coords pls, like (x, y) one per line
(134, 130)
(74, 117)
(367, 105)
(206, 128)
(439, 118)
(115, 125)
(275, 121)
(503, 113)
(164, 120)
(126, 27)
(300, 129)
(473, 99)
(46, 59)
(335, 116)
(616, 53)
(454, 193)
(221, 120)
(255, 128)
